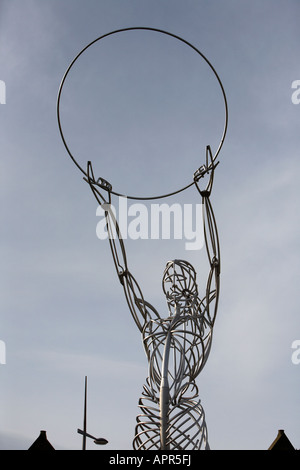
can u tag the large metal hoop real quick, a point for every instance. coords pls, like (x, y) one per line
(162, 32)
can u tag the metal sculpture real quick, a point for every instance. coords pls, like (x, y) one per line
(177, 344)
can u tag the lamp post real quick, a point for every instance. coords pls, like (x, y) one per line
(97, 440)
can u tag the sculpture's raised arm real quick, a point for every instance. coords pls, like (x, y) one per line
(211, 238)
(140, 310)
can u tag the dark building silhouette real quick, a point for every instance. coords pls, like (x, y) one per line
(281, 442)
(41, 443)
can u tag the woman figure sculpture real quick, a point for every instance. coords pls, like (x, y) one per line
(177, 343)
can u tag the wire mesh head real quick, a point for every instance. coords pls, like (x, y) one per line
(179, 283)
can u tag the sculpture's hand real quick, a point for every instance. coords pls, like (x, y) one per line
(207, 169)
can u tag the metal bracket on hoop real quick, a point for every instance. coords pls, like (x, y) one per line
(206, 169)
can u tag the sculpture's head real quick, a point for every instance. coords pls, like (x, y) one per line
(179, 284)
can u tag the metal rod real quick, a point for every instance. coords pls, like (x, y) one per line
(84, 416)
(86, 434)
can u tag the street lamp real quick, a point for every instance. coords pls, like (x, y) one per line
(97, 440)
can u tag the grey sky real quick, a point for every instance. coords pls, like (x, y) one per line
(143, 111)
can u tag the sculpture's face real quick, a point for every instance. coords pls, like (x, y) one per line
(179, 284)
